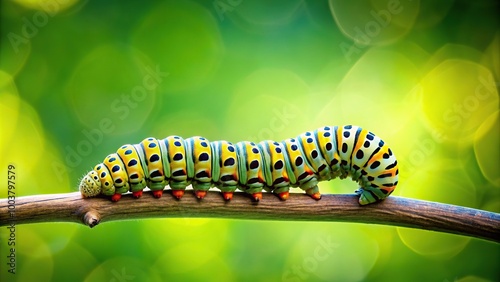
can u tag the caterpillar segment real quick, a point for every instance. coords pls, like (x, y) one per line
(225, 173)
(200, 161)
(250, 169)
(302, 171)
(328, 144)
(277, 179)
(156, 168)
(118, 174)
(133, 169)
(176, 154)
(320, 155)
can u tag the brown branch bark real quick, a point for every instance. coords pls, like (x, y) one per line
(395, 211)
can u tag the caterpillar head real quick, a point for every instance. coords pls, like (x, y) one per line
(90, 186)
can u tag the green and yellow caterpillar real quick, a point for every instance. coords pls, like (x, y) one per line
(322, 154)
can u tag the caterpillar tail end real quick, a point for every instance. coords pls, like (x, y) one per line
(228, 196)
(200, 194)
(137, 194)
(178, 194)
(365, 197)
(116, 197)
(157, 194)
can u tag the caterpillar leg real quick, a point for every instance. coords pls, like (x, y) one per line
(227, 191)
(178, 194)
(282, 192)
(314, 192)
(227, 195)
(284, 195)
(116, 197)
(201, 189)
(257, 196)
(200, 194)
(137, 194)
(157, 194)
(178, 188)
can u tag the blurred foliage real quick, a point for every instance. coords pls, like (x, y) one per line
(80, 78)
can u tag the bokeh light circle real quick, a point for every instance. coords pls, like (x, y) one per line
(325, 255)
(123, 268)
(374, 99)
(374, 22)
(37, 258)
(183, 39)
(487, 149)
(250, 15)
(49, 7)
(440, 180)
(457, 96)
(267, 104)
(119, 96)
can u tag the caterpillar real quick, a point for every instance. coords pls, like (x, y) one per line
(323, 154)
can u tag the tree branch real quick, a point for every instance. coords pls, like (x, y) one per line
(395, 211)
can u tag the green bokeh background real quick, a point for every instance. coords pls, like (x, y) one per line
(423, 75)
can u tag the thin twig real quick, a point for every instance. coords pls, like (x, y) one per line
(395, 211)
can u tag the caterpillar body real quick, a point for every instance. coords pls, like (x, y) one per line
(313, 156)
